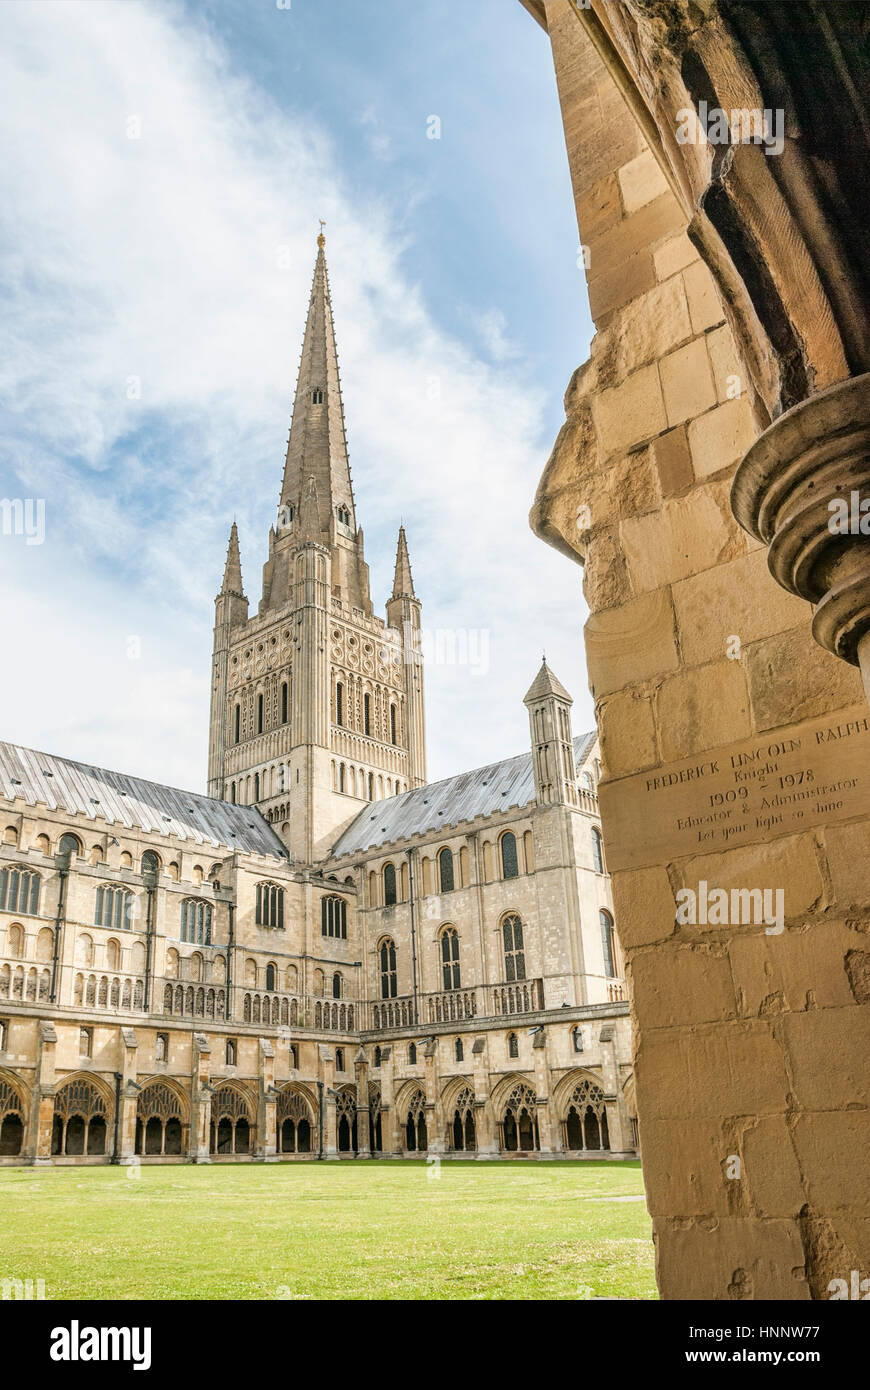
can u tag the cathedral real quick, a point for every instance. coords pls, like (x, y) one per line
(326, 956)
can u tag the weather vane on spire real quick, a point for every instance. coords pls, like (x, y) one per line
(321, 240)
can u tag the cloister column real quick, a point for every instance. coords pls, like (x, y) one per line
(267, 1102)
(200, 1101)
(129, 1096)
(363, 1116)
(485, 1130)
(330, 1121)
(618, 1125)
(548, 1128)
(41, 1120)
(435, 1141)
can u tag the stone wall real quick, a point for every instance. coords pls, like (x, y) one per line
(736, 750)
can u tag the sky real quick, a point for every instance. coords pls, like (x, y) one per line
(163, 167)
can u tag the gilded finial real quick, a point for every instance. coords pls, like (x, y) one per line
(321, 239)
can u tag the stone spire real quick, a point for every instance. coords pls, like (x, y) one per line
(317, 446)
(233, 568)
(403, 584)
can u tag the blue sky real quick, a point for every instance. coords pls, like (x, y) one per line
(162, 170)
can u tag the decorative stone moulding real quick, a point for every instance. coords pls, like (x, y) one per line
(816, 454)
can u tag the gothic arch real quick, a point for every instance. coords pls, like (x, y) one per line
(516, 1109)
(13, 1114)
(411, 1111)
(233, 1119)
(582, 1110)
(83, 1110)
(162, 1117)
(295, 1120)
(345, 1119)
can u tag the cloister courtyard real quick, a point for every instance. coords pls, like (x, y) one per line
(344, 1230)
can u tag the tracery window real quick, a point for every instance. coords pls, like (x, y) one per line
(509, 862)
(69, 844)
(445, 870)
(345, 1114)
(416, 1136)
(375, 1126)
(586, 1118)
(19, 891)
(333, 917)
(463, 1134)
(270, 905)
(158, 1120)
(11, 1116)
(231, 1122)
(196, 921)
(150, 862)
(520, 1121)
(387, 953)
(113, 907)
(295, 1123)
(80, 1113)
(449, 958)
(514, 952)
(317, 396)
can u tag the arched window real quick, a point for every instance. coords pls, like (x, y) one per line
(150, 862)
(339, 705)
(586, 1118)
(393, 731)
(341, 778)
(449, 958)
(607, 943)
(333, 917)
(389, 885)
(237, 723)
(520, 1122)
(70, 844)
(377, 1061)
(317, 396)
(458, 1050)
(256, 787)
(514, 952)
(294, 1118)
(416, 1137)
(463, 1132)
(387, 953)
(270, 976)
(513, 1045)
(367, 714)
(231, 1052)
(412, 1054)
(339, 1059)
(597, 851)
(445, 870)
(270, 905)
(343, 515)
(577, 1039)
(11, 1117)
(113, 908)
(232, 1122)
(285, 702)
(19, 891)
(80, 1113)
(371, 786)
(196, 921)
(259, 714)
(337, 985)
(509, 864)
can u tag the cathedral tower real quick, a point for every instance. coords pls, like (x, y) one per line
(317, 704)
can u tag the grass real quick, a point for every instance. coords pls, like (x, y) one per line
(379, 1230)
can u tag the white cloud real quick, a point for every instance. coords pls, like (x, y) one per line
(160, 258)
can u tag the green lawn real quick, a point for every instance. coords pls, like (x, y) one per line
(330, 1230)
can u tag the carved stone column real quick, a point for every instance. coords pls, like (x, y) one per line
(363, 1109)
(800, 489)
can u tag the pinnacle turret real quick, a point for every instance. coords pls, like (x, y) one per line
(403, 583)
(233, 568)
